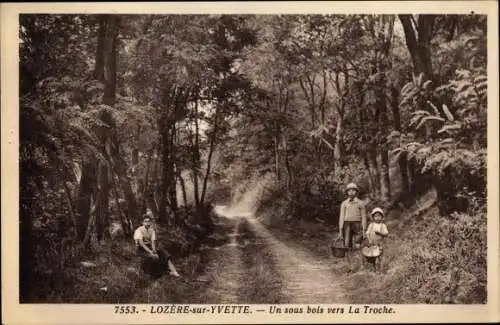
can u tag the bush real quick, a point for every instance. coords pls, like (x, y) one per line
(439, 259)
(316, 193)
(323, 203)
(455, 259)
(320, 195)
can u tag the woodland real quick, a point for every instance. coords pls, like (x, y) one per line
(173, 114)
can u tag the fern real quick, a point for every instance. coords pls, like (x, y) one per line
(436, 111)
(407, 88)
(428, 118)
(468, 92)
(427, 85)
(454, 116)
(481, 85)
(446, 110)
(450, 128)
(463, 73)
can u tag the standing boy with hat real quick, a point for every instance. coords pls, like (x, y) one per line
(352, 218)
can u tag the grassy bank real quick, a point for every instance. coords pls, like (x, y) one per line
(110, 273)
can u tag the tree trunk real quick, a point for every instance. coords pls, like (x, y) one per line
(129, 197)
(376, 172)
(102, 203)
(165, 170)
(310, 98)
(337, 153)
(71, 207)
(101, 39)
(152, 190)
(87, 182)
(402, 160)
(102, 200)
(183, 189)
(174, 98)
(418, 43)
(211, 149)
(164, 127)
(135, 163)
(144, 188)
(120, 167)
(403, 168)
(196, 156)
(110, 58)
(371, 181)
(89, 167)
(277, 159)
(340, 107)
(385, 184)
(412, 172)
(287, 164)
(172, 172)
(88, 232)
(125, 221)
(105, 70)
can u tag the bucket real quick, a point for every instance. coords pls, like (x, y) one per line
(338, 249)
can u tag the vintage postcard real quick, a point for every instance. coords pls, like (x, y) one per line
(250, 162)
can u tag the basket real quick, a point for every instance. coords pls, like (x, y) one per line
(338, 249)
(371, 251)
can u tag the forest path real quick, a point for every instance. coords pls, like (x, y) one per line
(225, 273)
(295, 275)
(307, 278)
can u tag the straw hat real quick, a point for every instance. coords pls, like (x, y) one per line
(377, 210)
(351, 186)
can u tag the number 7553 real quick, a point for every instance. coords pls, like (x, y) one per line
(125, 310)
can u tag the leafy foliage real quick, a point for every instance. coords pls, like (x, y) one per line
(453, 116)
(455, 147)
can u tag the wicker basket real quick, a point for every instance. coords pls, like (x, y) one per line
(371, 251)
(338, 249)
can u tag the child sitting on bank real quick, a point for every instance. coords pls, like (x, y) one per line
(153, 260)
(376, 232)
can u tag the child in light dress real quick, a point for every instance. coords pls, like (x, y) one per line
(376, 232)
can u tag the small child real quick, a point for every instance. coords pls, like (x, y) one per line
(376, 232)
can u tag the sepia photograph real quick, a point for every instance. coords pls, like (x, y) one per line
(246, 159)
(252, 158)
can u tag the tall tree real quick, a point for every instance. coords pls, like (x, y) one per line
(418, 31)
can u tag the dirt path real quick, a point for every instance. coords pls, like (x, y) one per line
(307, 279)
(225, 274)
(256, 267)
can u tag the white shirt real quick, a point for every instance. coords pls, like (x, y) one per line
(373, 238)
(147, 235)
